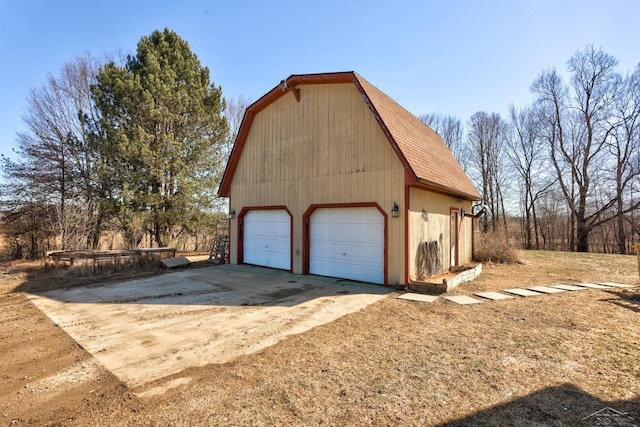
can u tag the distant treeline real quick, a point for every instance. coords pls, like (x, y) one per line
(568, 165)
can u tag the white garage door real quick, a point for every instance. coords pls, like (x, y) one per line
(347, 243)
(267, 238)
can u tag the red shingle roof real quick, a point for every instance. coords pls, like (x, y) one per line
(429, 158)
(421, 150)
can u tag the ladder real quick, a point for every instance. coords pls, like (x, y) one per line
(219, 249)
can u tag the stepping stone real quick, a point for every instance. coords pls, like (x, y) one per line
(463, 300)
(568, 287)
(616, 285)
(522, 292)
(546, 289)
(593, 286)
(418, 297)
(493, 295)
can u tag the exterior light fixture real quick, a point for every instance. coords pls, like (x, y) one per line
(395, 210)
(462, 213)
(232, 213)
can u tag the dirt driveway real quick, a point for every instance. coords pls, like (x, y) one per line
(146, 329)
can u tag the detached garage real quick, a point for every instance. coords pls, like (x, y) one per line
(331, 177)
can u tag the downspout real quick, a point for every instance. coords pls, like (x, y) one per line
(482, 211)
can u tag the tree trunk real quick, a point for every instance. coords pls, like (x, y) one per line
(535, 224)
(582, 236)
(158, 234)
(528, 243)
(621, 235)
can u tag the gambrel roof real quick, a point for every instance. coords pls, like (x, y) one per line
(425, 156)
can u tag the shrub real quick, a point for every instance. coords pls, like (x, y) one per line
(496, 247)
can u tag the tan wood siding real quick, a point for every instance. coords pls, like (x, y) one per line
(438, 208)
(325, 149)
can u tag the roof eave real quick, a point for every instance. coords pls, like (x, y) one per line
(428, 185)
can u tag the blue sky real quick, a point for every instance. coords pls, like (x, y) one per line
(455, 57)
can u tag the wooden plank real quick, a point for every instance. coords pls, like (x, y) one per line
(175, 262)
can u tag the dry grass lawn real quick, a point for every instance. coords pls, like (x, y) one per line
(544, 360)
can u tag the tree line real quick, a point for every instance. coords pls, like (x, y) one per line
(567, 166)
(116, 153)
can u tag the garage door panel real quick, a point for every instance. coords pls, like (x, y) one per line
(267, 238)
(347, 243)
(370, 252)
(345, 252)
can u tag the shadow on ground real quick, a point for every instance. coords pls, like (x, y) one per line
(629, 299)
(208, 285)
(563, 405)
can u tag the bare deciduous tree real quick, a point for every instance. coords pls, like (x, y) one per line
(529, 164)
(55, 164)
(574, 123)
(234, 113)
(624, 149)
(487, 164)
